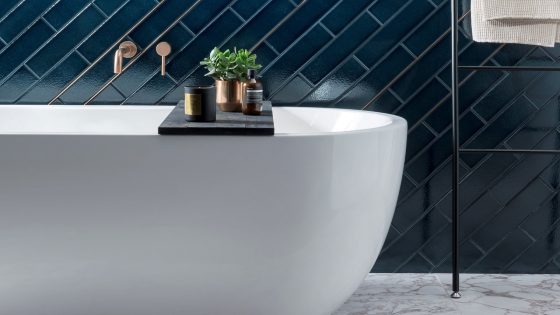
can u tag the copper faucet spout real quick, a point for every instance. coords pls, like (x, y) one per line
(126, 50)
(117, 68)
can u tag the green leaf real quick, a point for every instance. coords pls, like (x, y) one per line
(230, 64)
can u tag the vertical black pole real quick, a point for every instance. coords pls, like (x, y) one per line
(455, 123)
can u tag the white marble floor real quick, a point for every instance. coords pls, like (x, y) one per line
(481, 294)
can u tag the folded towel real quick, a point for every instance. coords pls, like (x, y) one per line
(532, 22)
(542, 10)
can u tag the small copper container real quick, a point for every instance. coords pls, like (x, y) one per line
(228, 95)
(200, 103)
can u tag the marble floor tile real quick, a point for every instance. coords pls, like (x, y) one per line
(481, 294)
(416, 294)
(507, 294)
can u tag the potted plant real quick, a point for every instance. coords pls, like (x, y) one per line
(229, 69)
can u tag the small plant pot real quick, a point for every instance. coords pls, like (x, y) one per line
(228, 95)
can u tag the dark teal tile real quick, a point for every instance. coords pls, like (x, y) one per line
(109, 6)
(16, 85)
(189, 59)
(414, 109)
(149, 64)
(336, 84)
(50, 85)
(292, 93)
(425, 36)
(340, 48)
(423, 71)
(343, 13)
(503, 126)
(247, 8)
(90, 82)
(16, 53)
(7, 5)
(260, 24)
(204, 13)
(386, 9)
(65, 41)
(287, 64)
(393, 32)
(157, 23)
(21, 18)
(299, 23)
(63, 11)
(377, 78)
(151, 91)
(418, 139)
(106, 36)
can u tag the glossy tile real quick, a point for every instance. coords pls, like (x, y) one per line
(391, 55)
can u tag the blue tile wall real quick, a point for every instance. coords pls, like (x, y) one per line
(383, 55)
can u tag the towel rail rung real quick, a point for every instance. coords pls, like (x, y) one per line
(510, 68)
(513, 151)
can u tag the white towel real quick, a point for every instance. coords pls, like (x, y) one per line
(532, 22)
(543, 10)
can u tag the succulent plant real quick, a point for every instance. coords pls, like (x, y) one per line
(230, 65)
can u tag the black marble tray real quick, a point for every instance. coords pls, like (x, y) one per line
(225, 124)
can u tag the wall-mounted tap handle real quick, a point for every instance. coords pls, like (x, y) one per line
(163, 49)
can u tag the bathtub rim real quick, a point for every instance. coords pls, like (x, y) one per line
(395, 121)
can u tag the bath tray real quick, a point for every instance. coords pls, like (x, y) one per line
(225, 124)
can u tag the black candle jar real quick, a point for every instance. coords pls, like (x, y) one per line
(200, 103)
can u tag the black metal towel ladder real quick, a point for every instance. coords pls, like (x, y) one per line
(455, 68)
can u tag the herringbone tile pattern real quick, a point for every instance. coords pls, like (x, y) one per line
(384, 55)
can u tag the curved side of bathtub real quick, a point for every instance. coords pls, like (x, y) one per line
(137, 224)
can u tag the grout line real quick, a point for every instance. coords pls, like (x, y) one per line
(187, 29)
(326, 29)
(45, 43)
(327, 45)
(230, 9)
(73, 50)
(318, 53)
(277, 26)
(374, 17)
(381, 59)
(297, 41)
(428, 49)
(9, 12)
(262, 40)
(267, 44)
(26, 67)
(49, 25)
(142, 52)
(101, 12)
(30, 25)
(107, 51)
(405, 48)
(363, 65)
(178, 52)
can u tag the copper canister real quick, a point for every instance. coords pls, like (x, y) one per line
(228, 95)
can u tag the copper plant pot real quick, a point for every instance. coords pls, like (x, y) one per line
(228, 95)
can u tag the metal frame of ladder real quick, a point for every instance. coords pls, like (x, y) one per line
(457, 150)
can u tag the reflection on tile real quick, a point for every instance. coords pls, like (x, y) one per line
(488, 294)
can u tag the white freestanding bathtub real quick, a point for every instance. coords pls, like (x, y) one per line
(101, 216)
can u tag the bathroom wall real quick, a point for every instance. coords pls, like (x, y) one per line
(383, 55)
